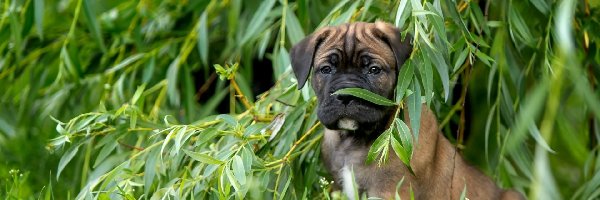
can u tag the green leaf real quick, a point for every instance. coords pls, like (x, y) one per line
(451, 6)
(150, 171)
(366, 95)
(230, 120)
(294, 30)
(172, 77)
(257, 19)
(239, 170)
(478, 18)
(525, 119)
(365, 10)
(397, 195)
(346, 15)
(234, 182)
(404, 79)
(427, 78)
(463, 194)
(488, 125)
(423, 13)
(541, 5)
(519, 29)
(402, 13)
(93, 24)
(282, 62)
(128, 61)
(66, 158)
(48, 194)
(438, 25)
(405, 136)
(334, 10)
(377, 146)
(180, 138)
(254, 129)
(354, 184)
(202, 39)
(39, 17)
(461, 59)
(69, 62)
(172, 131)
(484, 58)
(401, 152)
(207, 135)
(247, 156)
(203, 158)
(414, 109)
(284, 189)
(402, 142)
(105, 151)
(15, 27)
(233, 18)
(442, 68)
(137, 94)
(263, 44)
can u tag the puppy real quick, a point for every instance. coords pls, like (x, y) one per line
(369, 56)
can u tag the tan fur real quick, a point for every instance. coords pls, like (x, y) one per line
(440, 171)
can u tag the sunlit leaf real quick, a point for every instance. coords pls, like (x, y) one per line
(378, 145)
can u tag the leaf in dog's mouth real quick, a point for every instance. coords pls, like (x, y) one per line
(366, 95)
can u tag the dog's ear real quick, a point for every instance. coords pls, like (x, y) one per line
(391, 35)
(303, 53)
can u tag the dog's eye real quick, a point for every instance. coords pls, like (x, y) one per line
(374, 70)
(325, 69)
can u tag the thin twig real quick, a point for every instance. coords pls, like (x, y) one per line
(205, 86)
(240, 95)
(130, 146)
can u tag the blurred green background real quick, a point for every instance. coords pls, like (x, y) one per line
(111, 99)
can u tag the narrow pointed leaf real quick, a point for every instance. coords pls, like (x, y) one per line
(203, 158)
(366, 95)
(93, 24)
(377, 146)
(414, 110)
(404, 79)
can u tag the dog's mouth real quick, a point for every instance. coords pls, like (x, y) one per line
(351, 114)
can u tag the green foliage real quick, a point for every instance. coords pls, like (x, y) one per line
(366, 95)
(119, 99)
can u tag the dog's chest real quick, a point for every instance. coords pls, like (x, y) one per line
(345, 157)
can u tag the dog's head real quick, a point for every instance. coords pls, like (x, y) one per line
(362, 55)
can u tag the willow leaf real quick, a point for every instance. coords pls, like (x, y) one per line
(204, 158)
(366, 95)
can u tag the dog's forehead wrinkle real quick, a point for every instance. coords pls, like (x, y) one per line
(349, 42)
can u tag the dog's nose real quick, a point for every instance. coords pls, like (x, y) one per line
(345, 99)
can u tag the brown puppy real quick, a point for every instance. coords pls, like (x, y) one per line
(369, 56)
